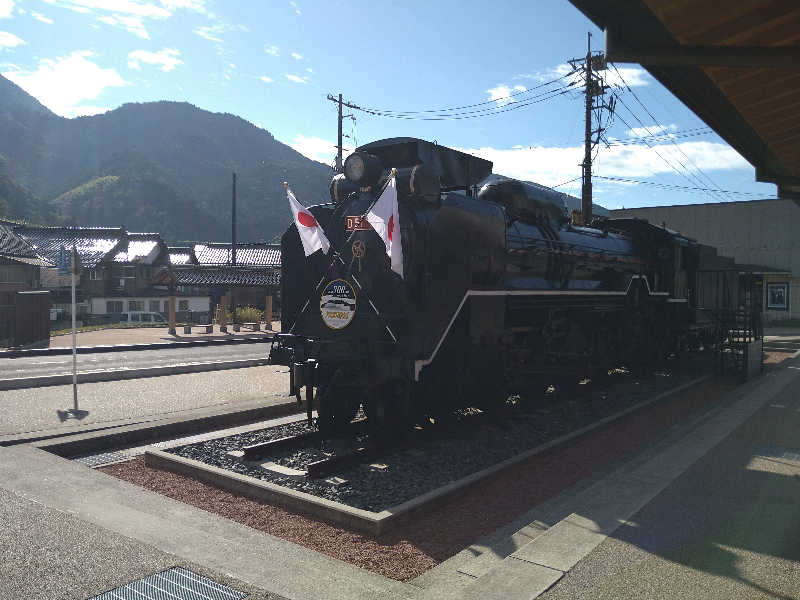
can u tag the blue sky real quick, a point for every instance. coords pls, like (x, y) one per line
(273, 62)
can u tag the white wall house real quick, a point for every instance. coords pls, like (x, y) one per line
(160, 304)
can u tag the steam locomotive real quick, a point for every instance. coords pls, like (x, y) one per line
(501, 292)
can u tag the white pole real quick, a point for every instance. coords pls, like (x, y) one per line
(74, 349)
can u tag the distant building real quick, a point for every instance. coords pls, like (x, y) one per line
(760, 235)
(119, 270)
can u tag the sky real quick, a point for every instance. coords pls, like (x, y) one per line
(274, 62)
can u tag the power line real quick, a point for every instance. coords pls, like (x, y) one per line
(686, 175)
(674, 187)
(387, 111)
(566, 182)
(547, 95)
(647, 110)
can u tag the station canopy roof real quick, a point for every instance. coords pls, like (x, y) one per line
(735, 64)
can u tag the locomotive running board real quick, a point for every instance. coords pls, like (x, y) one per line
(420, 364)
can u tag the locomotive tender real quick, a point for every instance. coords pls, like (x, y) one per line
(501, 293)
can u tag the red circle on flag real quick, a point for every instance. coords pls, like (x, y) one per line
(391, 227)
(306, 220)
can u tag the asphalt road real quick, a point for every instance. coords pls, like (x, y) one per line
(39, 366)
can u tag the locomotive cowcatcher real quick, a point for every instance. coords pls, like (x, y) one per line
(501, 294)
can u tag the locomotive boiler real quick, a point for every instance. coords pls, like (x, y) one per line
(500, 292)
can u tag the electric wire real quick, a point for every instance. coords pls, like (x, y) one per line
(647, 110)
(458, 108)
(673, 186)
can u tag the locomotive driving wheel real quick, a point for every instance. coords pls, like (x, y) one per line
(388, 409)
(337, 408)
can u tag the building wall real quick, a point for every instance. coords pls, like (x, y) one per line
(759, 232)
(97, 305)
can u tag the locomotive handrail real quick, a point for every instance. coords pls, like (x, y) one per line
(420, 364)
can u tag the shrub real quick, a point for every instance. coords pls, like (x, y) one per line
(247, 314)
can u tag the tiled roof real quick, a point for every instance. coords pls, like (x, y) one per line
(251, 254)
(181, 255)
(226, 276)
(142, 247)
(92, 243)
(12, 245)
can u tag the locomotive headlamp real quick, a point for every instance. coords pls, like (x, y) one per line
(362, 168)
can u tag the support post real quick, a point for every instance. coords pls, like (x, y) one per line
(172, 311)
(223, 314)
(74, 271)
(268, 312)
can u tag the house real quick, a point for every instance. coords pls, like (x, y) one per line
(24, 313)
(251, 279)
(119, 269)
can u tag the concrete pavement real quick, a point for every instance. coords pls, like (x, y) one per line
(34, 412)
(148, 335)
(710, 511)
(729, 527)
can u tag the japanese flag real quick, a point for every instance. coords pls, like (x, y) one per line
(385, 219)
(311, 233)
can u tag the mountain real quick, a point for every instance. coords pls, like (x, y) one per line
(159, 166)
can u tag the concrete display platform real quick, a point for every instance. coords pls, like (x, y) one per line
(371, 522)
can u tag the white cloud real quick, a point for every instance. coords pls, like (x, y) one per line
(40, 17)
(6, 8)
(9, 40)
(166, 59)
(296, 78)
(295, 7)
(316, 148)
(126, 7)
(198, 6)
(85, 110)
(213, 32)
(633, 76)
(132, 25)
(266, 79)
(63, 83)
(501, 93)
(273, 50)
(554, 165)
(638, 132)
(297, 56)
(209, 32)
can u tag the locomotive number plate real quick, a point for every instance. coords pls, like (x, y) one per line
(356, 223)
(337, 304)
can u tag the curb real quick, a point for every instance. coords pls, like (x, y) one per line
(118, 374)
(133, 347)
(72, 444)
(365, 521)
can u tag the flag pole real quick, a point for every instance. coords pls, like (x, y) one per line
(336, 255)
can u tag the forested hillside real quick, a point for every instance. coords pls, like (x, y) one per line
(161, 166)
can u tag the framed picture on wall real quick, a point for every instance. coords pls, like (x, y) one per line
(778, 296)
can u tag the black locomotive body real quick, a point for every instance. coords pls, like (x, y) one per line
(500, 292)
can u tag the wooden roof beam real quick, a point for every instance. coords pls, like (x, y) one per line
(786, 57)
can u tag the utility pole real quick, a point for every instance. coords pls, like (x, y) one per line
(595, 87)
(233, 221)
(586, 188)
(339, 140)
(341, 103)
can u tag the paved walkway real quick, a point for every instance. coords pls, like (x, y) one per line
(150, 335)
(35, 411)
(708, 512)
